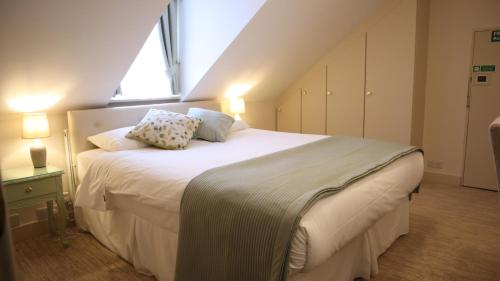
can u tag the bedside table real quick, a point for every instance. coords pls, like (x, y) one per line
(28, 186)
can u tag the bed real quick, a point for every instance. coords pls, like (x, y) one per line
(339, 238)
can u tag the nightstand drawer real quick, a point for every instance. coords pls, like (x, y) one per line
(31, 189)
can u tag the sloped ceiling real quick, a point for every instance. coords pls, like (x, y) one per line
(280, 42)
(77, 51)
(208, 28)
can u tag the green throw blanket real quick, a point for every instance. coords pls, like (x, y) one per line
(237, 221)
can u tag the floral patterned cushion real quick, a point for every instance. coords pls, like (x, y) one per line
(165, 129)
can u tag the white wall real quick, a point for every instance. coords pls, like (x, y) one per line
(451, 27)
(77, 50)
(207, 28)
(279, 43)
(258, 114)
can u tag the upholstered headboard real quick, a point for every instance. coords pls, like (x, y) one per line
(85, 123)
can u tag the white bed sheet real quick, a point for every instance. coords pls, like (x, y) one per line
(149, 183)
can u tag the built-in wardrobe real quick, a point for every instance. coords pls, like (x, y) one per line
(370, 85)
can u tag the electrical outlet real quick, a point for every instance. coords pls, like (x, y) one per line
(435, 164)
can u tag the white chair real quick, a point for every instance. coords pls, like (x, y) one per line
(495, 143)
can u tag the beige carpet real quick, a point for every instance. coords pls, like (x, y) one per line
(455, 235)
(85, 259)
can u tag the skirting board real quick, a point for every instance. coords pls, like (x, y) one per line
(29, 230)
(33, 229)
(442, 179)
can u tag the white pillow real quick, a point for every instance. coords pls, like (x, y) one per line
(115, 140)
(238, 125)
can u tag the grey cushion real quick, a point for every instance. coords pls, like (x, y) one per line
(215, 125)
(495, 142)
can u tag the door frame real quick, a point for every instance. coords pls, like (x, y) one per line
(467, 107)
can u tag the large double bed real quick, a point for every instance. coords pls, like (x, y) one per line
(130, 200)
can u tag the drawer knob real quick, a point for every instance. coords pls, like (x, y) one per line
(28, 189)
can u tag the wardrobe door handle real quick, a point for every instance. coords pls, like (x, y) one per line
(329, 93)
(369, 93)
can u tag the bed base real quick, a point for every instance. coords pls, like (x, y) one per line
(152, 249)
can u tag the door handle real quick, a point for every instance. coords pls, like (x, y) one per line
(329, 93)
(369, 93)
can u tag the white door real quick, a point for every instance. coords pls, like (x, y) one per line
(390, 61)
(484, 107)
(314, 101)
(289, 111)
(346, 87)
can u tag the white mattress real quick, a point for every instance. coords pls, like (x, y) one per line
(149, 183)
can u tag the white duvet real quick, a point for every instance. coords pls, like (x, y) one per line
(150, 182)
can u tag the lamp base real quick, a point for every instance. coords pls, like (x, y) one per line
(38, 156)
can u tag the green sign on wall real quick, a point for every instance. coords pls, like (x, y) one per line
(484, 68)
(495, 36)
(488, 68)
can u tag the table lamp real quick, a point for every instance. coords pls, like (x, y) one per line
(237, 106)
(36, 126)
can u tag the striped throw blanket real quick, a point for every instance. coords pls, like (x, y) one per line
(237, 221)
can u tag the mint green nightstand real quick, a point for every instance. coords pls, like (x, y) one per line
(25, 187)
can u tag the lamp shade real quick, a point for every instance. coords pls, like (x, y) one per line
(35, 125)
(237, 105)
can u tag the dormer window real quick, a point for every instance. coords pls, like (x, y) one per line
(153, 74)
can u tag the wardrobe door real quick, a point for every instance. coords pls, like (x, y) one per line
(345, 88)
(389, 75)
(289, 111)
(314, 101)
